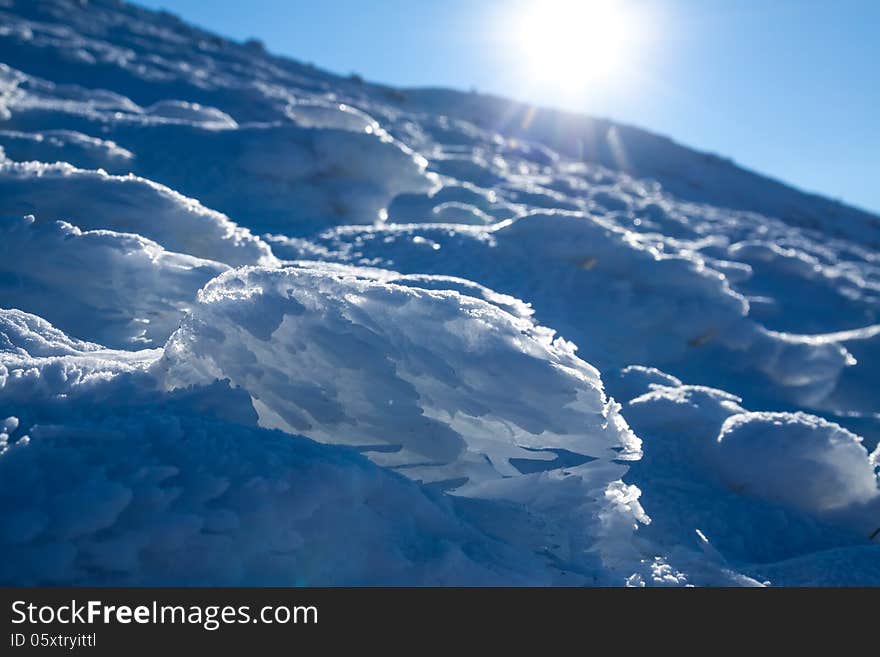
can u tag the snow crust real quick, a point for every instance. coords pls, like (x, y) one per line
(126, 204)
(121, 290)
(263, 324)
(105, 479)
(808, 463)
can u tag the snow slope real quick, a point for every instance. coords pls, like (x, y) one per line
(262, 324)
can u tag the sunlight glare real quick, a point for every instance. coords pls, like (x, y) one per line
(574, 43)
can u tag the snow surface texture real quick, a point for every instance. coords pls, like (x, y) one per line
(260, 324)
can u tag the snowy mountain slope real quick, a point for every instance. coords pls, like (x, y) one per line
(689, 175)
(225, 273)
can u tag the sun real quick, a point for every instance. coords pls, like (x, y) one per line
(573, 43)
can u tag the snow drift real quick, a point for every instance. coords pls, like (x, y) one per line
(126, 204)
(263, 324)
(108, 479)
(118, 289)
(104, 479)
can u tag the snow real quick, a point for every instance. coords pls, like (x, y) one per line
(438, 358)
(286, 174)
(260, 324)
(670, 308)
(126, 204)
(421, 380)
(118, 484)
(117, 481)
(797, 459)
(68, 145)
(761, 487)
(117, 289)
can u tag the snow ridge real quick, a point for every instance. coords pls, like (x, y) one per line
(260, 324)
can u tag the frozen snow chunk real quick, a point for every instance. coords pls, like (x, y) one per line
(506, 302)
(285, 178)
(179, 110)
(39, 361)
(662, 304)
(431, 371)
(70, 146)
(29, 97)
(23, 334)
(796, 459)
(808, 367)
(315, 114)
(7, 426)
(96, 200)
(634, 380)
(122, 483)
(446, 387)
(800, 276)
(10, 79)
(112, 288)
(683, 413)
(681, 478)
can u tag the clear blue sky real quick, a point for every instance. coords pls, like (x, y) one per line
(790, 88)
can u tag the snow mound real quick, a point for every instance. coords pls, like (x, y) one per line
(798, 460)
(690, 482)
(280, 504)
(112, 288)
(339, 116)
(180, 110)
(287, 178)
(318, 164)
(23, 334)
(163, 495)
(96, 200)
(37, 361)
(454, 202)
(425, 370)
(70, 146)
(688, 409)
(635, 380)
(106, 480)
(446, 388)
(110, 480)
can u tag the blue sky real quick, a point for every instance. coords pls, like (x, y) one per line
(790, 88)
